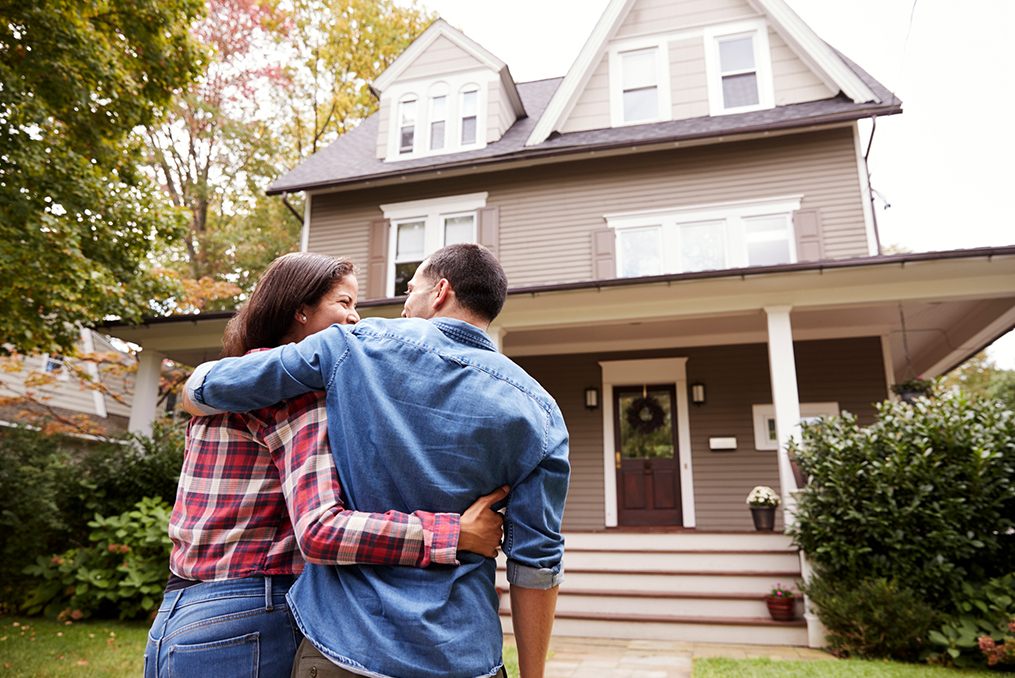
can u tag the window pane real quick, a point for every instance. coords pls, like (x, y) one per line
(437, 135)
(639, 69)
(469, 130)
(641, 104)
(407, 139)
(702, 246)
(469, 100)
(768, 253)
(640, 252)
(736, 55)
(646, 425)
(437, 108)
(766, 228)
(410, 240)
(740, 90)
(408, 113)
(403, 274)
(459, 229)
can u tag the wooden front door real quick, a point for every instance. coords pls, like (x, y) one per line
(645, 439)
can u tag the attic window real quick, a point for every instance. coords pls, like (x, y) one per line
(469, 108)
(739, 77)
(438, 120)
(738, 65)
(641, 91)
(407, 126)
(639, 76)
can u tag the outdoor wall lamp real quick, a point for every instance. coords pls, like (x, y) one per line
(591, 398)
(698, 394)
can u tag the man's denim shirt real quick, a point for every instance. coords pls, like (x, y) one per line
(422, 415)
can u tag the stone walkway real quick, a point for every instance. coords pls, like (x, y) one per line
(608, 658)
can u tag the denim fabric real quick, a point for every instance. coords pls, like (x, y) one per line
(421, 415)
(225, 628)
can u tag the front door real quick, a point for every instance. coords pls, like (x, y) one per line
(648, 475)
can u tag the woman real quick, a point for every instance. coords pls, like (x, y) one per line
(257, 489)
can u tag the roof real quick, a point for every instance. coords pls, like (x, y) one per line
(352, 158)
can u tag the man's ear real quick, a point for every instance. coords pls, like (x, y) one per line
(442, 294)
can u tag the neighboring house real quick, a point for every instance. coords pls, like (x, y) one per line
(63, 401)
(686, 224)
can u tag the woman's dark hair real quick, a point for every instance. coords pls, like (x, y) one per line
(292, 281)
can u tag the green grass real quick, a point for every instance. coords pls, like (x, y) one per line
(39, 648)
(850, 668)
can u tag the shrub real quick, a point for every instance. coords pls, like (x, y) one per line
(124, 570)
(985, 615)
(871, 618)
(925, 496)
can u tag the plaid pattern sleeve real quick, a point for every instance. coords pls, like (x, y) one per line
(325, 531)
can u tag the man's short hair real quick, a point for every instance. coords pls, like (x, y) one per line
(475, 275)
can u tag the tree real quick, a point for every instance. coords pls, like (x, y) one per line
(979, 376)
(77, 221)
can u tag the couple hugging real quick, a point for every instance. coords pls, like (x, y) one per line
(429, 429)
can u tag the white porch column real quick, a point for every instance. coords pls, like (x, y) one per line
(146, 392)
(785, 398)
(496, 334)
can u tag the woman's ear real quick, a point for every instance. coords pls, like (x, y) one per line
(301, 315)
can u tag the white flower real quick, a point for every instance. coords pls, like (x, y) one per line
(763, 496)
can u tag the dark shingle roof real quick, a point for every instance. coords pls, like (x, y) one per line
(352, 158)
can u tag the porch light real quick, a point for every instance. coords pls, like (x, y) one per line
(698, 394)
(591, 398)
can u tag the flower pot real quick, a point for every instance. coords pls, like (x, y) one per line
(764, 518)
(782, 608)
(911, 396)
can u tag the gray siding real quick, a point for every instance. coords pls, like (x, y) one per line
(660, 16)
(849, 371)
(592, 110)
(384, 119)
(500, 115)
(688, 80)
(443, 56)
(793, 81)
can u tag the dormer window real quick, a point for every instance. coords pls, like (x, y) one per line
(468, 109)
(438, 121)
(738, 67)
(641, 85)
(407, 126)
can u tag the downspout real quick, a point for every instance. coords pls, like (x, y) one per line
(870, 191)
(299, 217)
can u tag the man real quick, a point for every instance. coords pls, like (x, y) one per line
(423, 412)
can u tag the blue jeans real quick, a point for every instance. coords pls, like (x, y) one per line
(237, 627)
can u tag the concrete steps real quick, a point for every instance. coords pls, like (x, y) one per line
(686, 586)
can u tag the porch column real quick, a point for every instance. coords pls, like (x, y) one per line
(146, 392)
(785, 398)
(496, 334)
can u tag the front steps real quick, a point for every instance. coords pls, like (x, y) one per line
(685, 586)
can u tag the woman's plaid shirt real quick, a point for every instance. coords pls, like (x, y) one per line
(259, 488)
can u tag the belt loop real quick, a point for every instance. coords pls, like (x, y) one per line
(267, 592)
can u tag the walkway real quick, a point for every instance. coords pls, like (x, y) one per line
(608, 658)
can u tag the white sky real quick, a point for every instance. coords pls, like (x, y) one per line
(945, 164)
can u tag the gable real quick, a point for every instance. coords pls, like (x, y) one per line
(440, 57)
(660, 16)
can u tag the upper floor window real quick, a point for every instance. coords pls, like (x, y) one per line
(738, 67)
(421, 227)
(710, 237)
(639, 81)
(469, 109)
(407, 126)
(438, 121)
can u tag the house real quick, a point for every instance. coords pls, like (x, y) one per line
(686, 224)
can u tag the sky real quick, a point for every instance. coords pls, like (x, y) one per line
(946, 165)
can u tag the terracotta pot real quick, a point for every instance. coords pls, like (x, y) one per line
(764, 518)
(781, 608)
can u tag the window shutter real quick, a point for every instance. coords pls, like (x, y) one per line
(807, 227)
(377, 259)
(488, 229)
(604, 254)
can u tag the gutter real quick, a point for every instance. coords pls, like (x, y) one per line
(526, 155)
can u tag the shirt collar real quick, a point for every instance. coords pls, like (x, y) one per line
(465, 333)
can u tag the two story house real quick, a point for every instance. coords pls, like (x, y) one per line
(686, 224)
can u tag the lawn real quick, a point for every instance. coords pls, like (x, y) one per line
(852, 668)
(40, 648)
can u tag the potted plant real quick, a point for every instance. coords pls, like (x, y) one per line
(763, 502)
(781, 603)
(911, 389)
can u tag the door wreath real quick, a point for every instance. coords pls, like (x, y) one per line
(645, 415)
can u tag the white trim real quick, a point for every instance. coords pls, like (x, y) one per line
(305, 231)
(756, 29)
(786, 398)
(98, 398)
(865, 193)
(446, 204)
(664, 86)
(657, 371)
(762, 414)
(146, 392)
(889, 363)
(715, 210)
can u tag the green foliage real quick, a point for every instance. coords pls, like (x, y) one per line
(870, 618)
(124, 569)
(925, 496)
(77, 220)
(984, 612)
(980, 377)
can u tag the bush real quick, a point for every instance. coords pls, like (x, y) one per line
(123, 571)
(871, 618)
(925, 496)
(985, 615)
